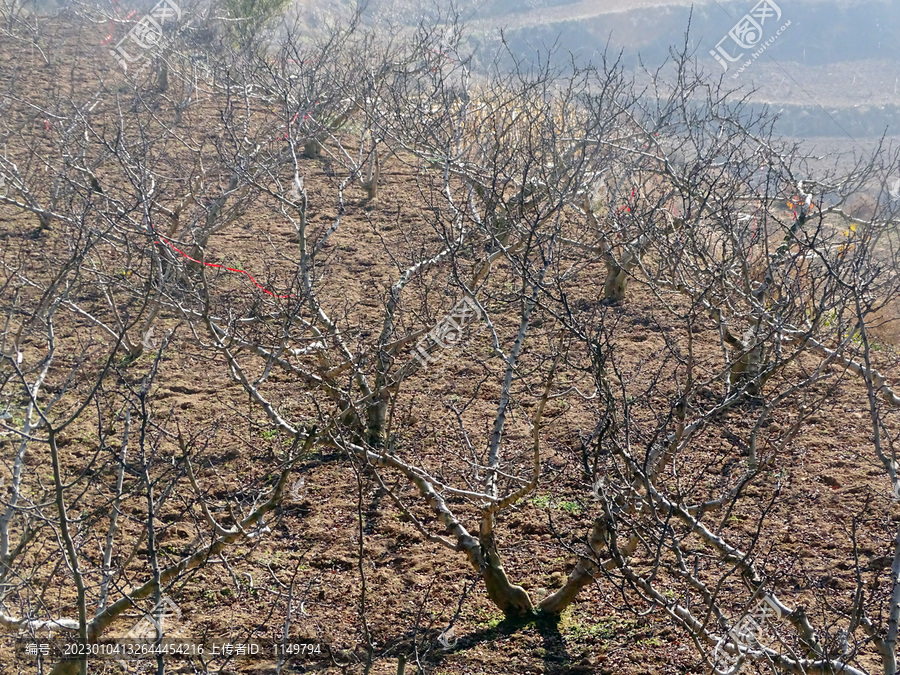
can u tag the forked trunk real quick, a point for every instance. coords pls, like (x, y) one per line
(513, 600)
(581, 576)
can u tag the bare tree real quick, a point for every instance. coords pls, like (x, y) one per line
(536, 180)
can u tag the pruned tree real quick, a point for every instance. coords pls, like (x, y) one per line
(551, 194)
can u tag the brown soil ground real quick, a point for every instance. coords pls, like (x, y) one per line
(828, 478)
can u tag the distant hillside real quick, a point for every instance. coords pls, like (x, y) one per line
(834, 72)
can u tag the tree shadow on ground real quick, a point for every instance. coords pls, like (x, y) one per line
(556, 657)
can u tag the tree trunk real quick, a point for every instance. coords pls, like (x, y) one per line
(581, 576)
(513, 600)
(312, 149)
(162, 76)
(749, 368)
(616, 283)
(370, 182)
(377, 418)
